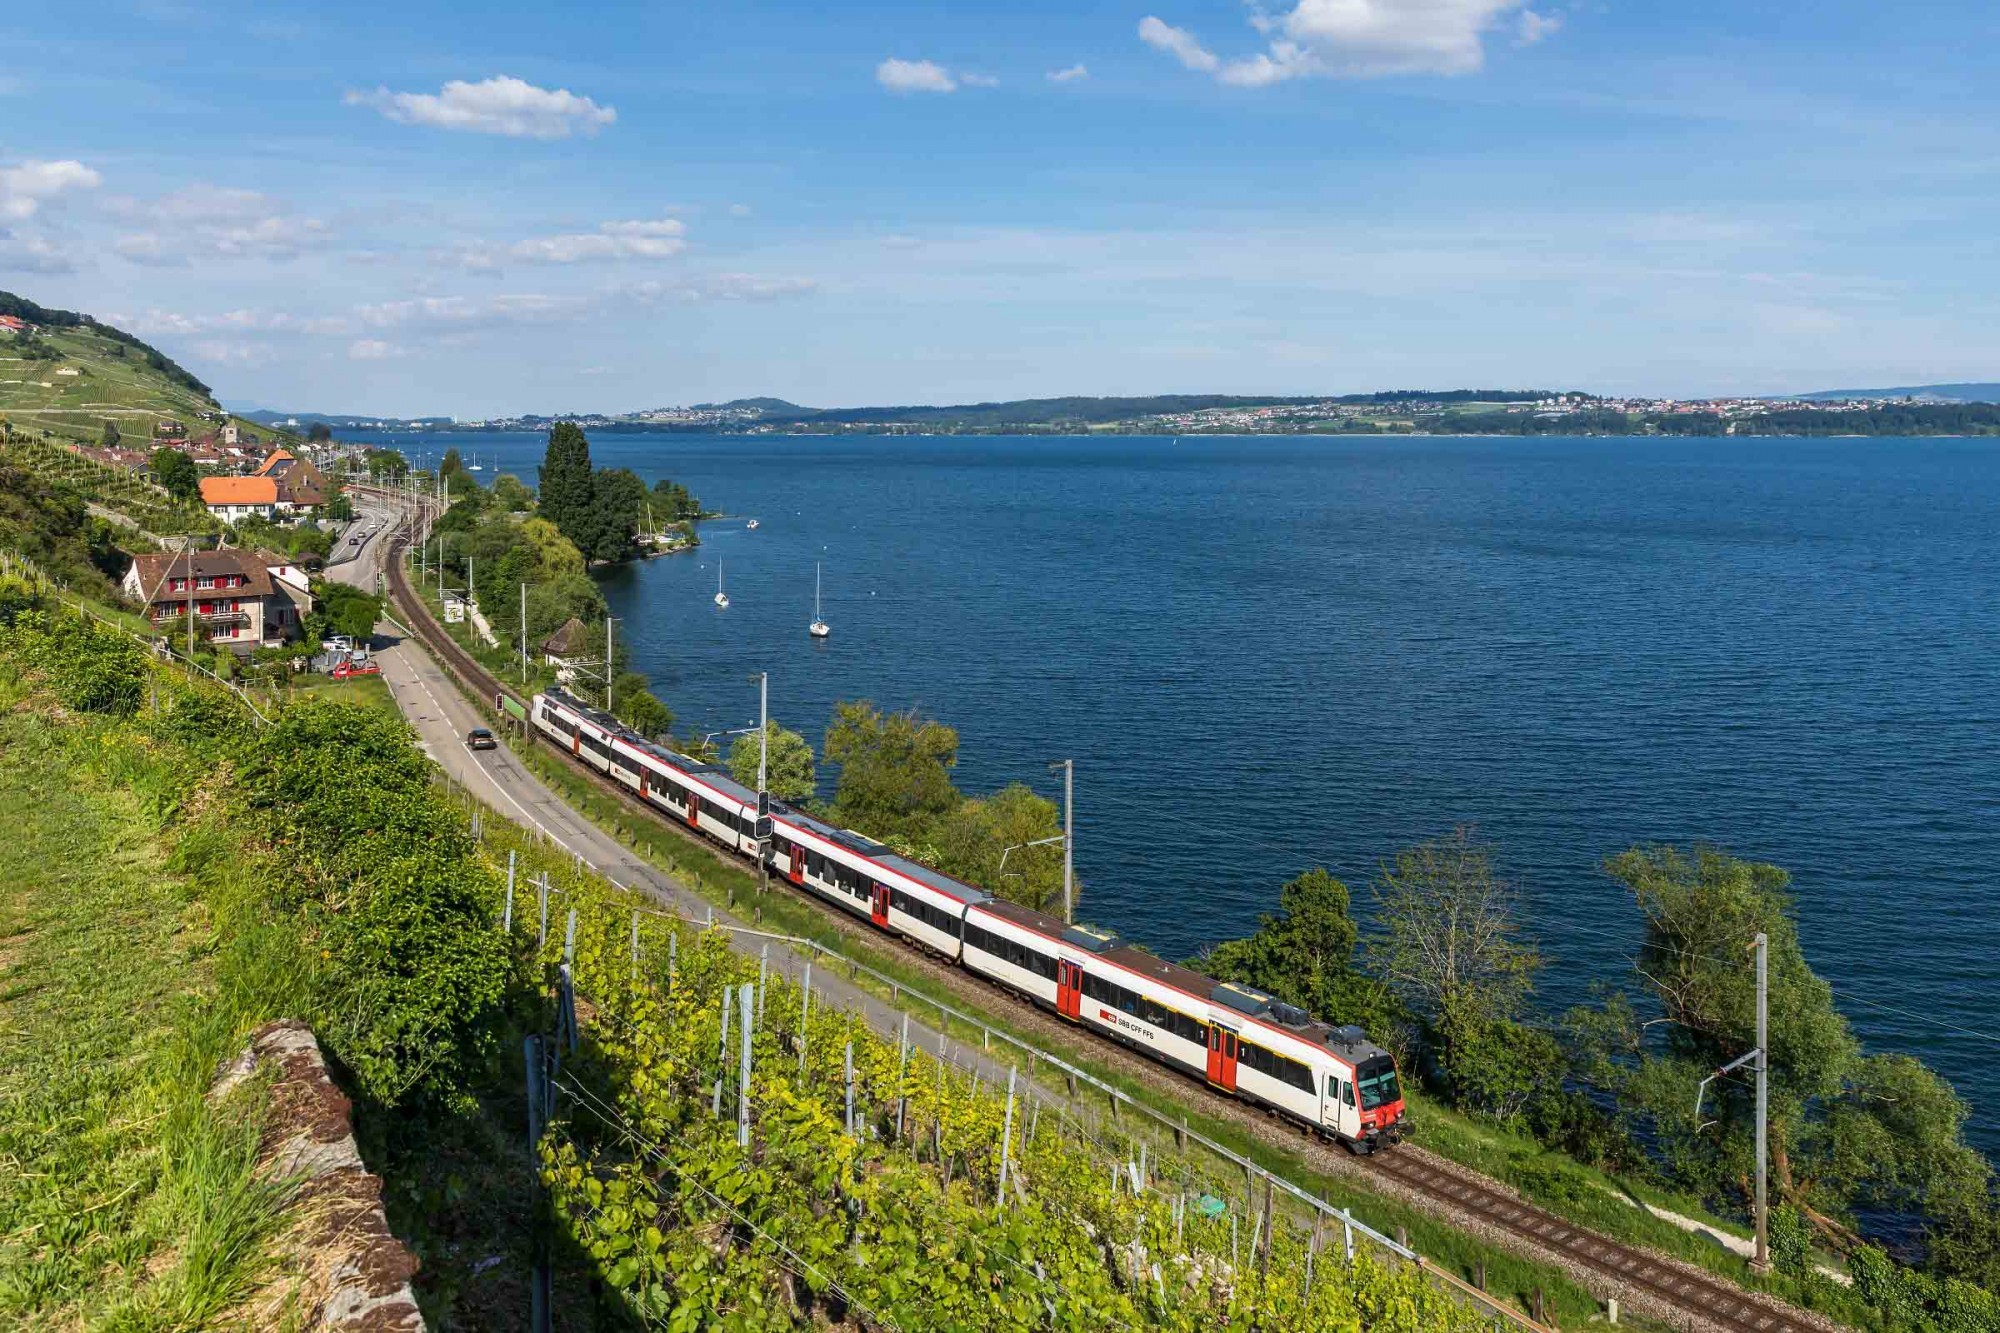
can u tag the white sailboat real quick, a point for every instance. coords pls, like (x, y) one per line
(721, 597)
(475, 466)
(819, 629)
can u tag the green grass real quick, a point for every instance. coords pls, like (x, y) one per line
(127, 1202)
(107, 386)
(370, 690)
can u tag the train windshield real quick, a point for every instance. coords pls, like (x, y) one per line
(1377, 1081)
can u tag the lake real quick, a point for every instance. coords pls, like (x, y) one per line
(1266, 654)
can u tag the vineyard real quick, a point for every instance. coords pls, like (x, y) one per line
(732, 1152)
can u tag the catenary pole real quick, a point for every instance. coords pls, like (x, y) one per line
(763, 793)
(608, 622)
(1069, 841)
(1761, 1263)
(524, 634)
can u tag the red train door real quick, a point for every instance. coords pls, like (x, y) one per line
(1069, 989)
(1222, 1057)
(798, 870)
(694, 810)
(576, 743)
(880, 908)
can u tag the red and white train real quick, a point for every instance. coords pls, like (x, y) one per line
(1237, 1039)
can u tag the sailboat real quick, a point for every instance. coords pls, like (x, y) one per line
(475, 466)
(721, 597)
(819, 629)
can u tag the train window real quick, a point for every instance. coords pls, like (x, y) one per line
(975, 938)
(1095, 987)
(1347, 1092)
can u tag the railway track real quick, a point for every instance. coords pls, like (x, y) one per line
(1667, 1290)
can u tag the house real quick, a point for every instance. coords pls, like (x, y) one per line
(242, 599)
(568, 648)
(13, 324)
(234, 498)
(301, 486)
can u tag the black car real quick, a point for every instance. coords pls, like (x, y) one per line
(479, 738)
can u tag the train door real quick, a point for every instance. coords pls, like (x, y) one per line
(694, 810)
(1222, 1057)
(576, 743)
(1069, 988)
(879, 909)
(798, 868)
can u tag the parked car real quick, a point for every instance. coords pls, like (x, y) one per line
(479, 738)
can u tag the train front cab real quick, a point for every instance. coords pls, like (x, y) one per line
(1380, 1091)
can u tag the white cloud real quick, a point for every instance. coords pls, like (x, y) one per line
(1358, 39)
(739, 210)
(1178, 43)
(25, 188)
(1075, 73)
(722, 287)
(657, 238)
(1531, 27)
(201, 221)
(915, 76)
(371, 349)
(500, 105)
(26, 252)
(979, 80)
(157, 321)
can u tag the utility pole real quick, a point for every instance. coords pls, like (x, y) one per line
(763, 794)
(1761, 1262)
(524, 634)
(608, 622)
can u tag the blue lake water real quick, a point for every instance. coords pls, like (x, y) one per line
(1269, 654)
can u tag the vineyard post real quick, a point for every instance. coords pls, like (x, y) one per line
(507, 921)
(673, 956)
(569, 940)
(847, 1063)
(542, 896)
(1347, 1234)
(1270, 1224)
(1006, 1133)
(722, 1056)
(805, 1013)
(902, 1064)
(1232, 1241)
(635, 946)
(749, 1009)
(763, 973)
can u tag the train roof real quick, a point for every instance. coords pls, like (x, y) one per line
(930, 878)
(1135, 959)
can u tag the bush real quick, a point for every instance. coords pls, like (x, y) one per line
(1791, 1241)
(90, 668)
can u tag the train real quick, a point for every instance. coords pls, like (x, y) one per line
(1236, 1039)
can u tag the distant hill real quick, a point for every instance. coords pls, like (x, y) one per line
(265, 416)
(1937, 393)
(70, 373)
(1091, 411)
(777, 406)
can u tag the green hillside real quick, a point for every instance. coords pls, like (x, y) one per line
(74, 373)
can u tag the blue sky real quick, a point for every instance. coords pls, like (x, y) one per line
(475, 209)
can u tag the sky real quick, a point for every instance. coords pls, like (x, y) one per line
(477, 210)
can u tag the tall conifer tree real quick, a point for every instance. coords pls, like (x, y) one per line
(567, 498)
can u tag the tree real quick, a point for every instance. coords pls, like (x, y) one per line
(789, 773)
(1451, 951)
(618, 500)
(568, 498)
(451, 465)
(895, 770)
(1847, 1130)
(638, 707)
(340, 509)
(109, 438)
(510, 496)
(1304, 955)
(176, 472)
(319, 433)
(972, 842)
(388, 463)
(673, 502)
(346, 610)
